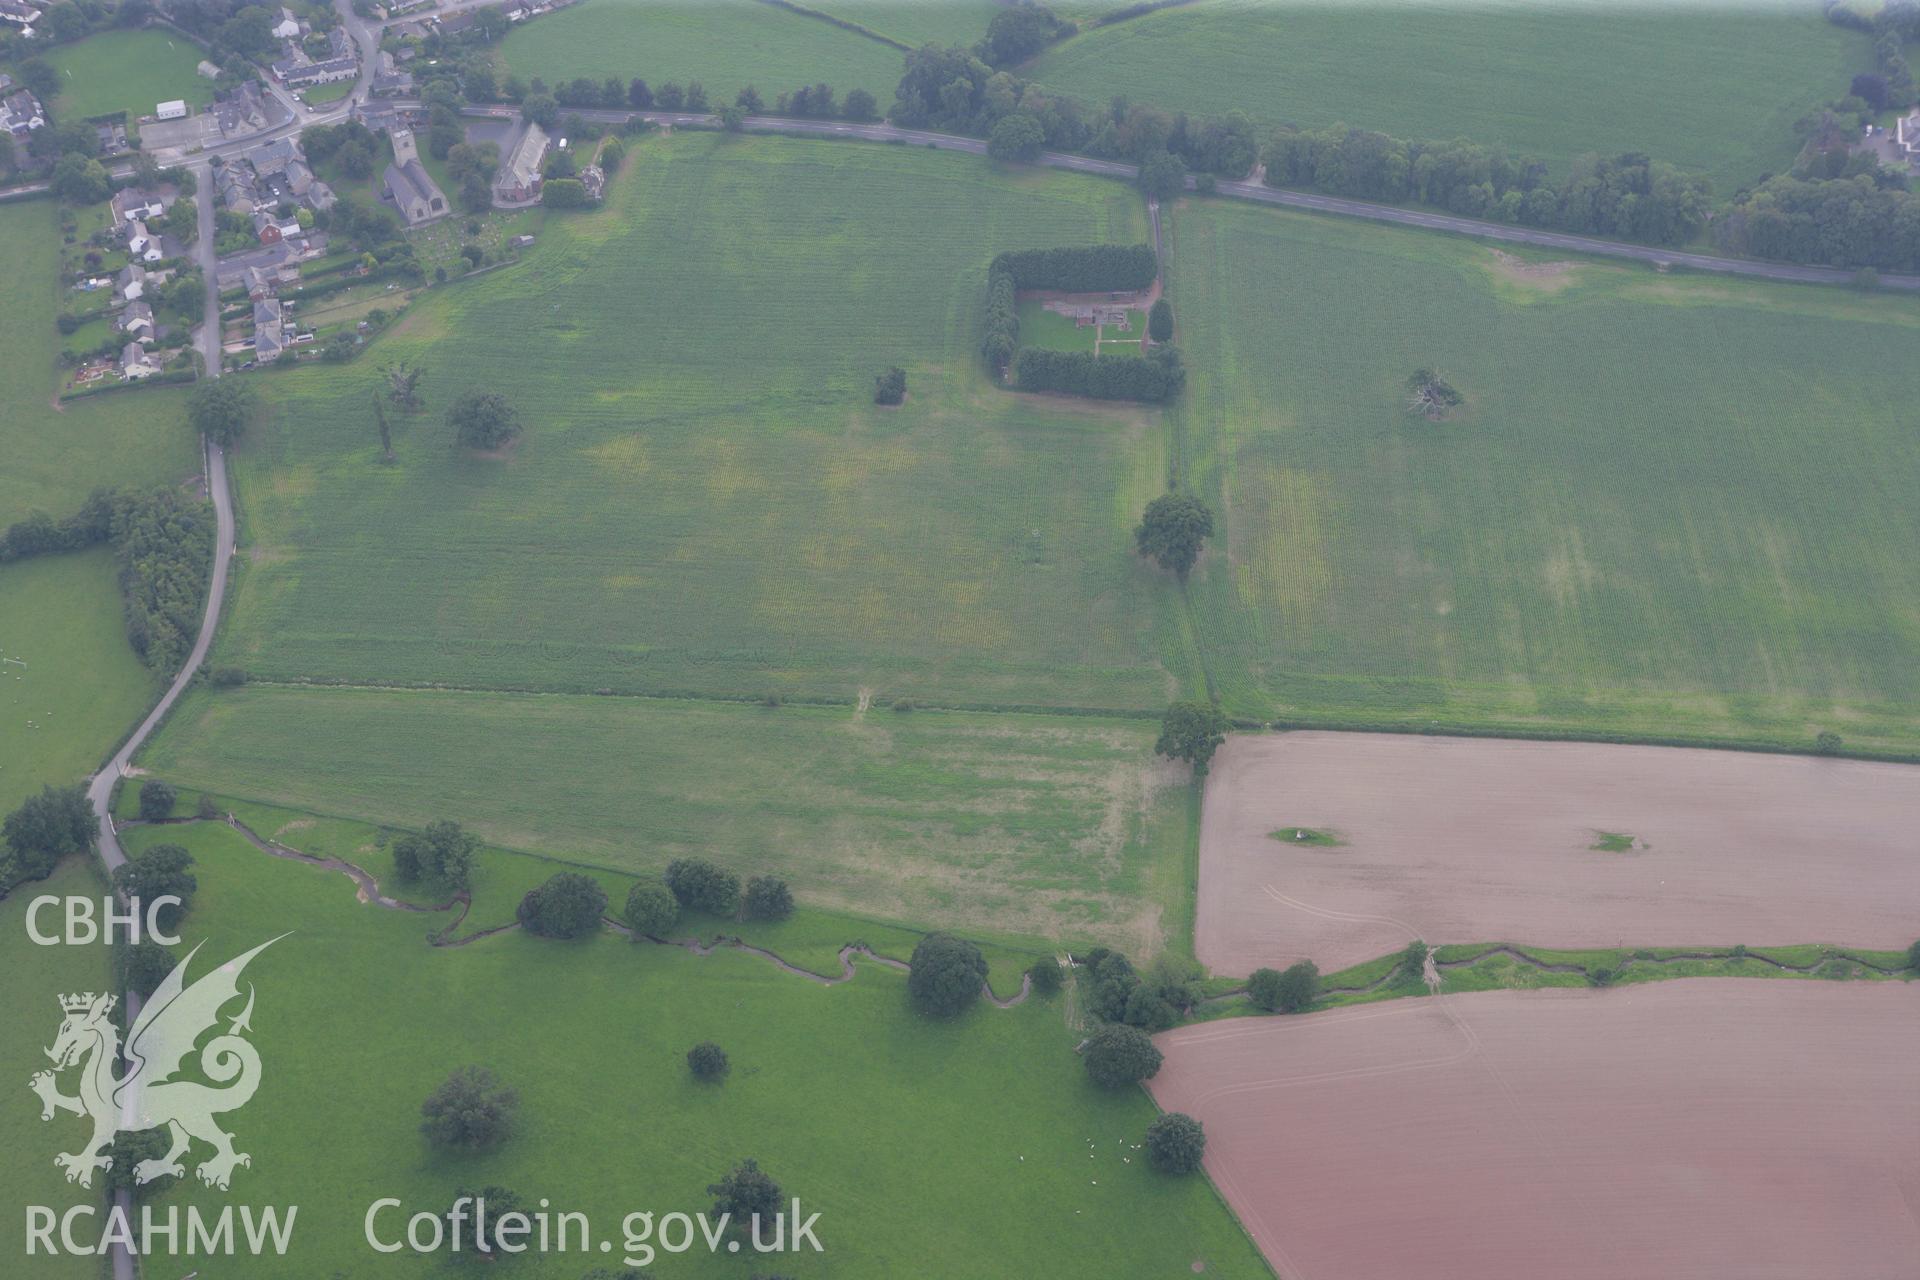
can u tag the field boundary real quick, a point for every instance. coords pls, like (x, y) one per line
(369, 893)
(845, 24)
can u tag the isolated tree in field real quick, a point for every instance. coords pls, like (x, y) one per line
(1431, 396)
(701, 886)
(1160, 321)
(469, 1112)
(1163, 175)
(1173, 529)
(568, 905)
(156, 800)
(1119, 1055)
(947, 974)
(768, 898)
(219, 408)
(481, 1232)
(403, 385)
(380, 425)
(746, 1193)
(483, 419)
(141, 966)
(1192, 731)
(1293, 991)
(156, 873)
(707, 1061)
(651, 909)
(1043, 976)
(890, 387)
(1017, 138)
(1175, 1143)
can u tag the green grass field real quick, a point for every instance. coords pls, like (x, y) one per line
(70, 683)
(725, 44)
(706, 499)
(55, 457)
(917, 22)
(131, 71)
(32, 980)
(1708, 88)
(1041, 827)
(841, 1092)
(1040, 327)
(1672, 505)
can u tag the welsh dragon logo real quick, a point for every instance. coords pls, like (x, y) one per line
(151, 1094)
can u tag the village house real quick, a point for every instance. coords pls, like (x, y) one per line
(288, 27)
(297, 70)
(517, 181)
(21, 114)
(132, 204)
(408, 184)
(20, 14)
(136, 321)
(131, 283)
(388, 79)
(142, 243)
(269, 331)
(244, 110)
(136, 363)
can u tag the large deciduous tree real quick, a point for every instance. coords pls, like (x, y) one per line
(1173, 529)
(483, 419)
(1191, 731)
(947, 974)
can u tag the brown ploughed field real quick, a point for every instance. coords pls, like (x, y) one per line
(1481, 840)
(1723, 1128)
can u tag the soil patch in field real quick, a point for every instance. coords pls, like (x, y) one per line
(1481, 840)
(1699, 1128)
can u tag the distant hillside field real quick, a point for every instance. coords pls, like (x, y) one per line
(725, 44)
(1711, 88)
(132, 71)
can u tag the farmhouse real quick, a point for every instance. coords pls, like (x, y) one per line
(20, 114)
(518, 180)
(410, 186)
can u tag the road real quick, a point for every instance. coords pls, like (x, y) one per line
(100, 786)
(1261, 194)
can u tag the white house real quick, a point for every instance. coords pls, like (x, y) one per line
(143, 244)
(136, 363)
(288, 27)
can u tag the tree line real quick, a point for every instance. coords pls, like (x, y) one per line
(163, 546)
(1098, 268)
(1153, 378)
(1629, 195)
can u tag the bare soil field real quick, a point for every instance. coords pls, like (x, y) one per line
(1744, 1129)
(1480, 840)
